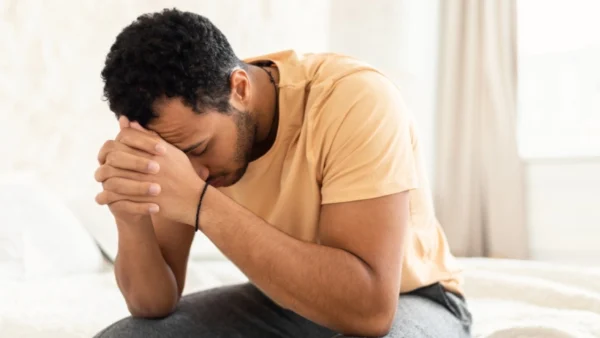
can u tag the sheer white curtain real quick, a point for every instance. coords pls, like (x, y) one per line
(479, 176)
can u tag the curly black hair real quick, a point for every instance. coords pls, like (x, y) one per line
(170, 53)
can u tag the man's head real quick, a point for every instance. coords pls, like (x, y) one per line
(175, 73)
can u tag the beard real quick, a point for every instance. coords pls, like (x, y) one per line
(246, 134)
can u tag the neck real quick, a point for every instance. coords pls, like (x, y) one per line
(265, 109)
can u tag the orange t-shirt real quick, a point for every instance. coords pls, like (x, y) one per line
(344, 135)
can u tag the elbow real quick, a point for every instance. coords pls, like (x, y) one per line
(378, 324)
(151, 307)
(150, 311)
(375, 322)
(148, 301)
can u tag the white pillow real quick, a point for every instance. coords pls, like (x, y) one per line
(40, 236)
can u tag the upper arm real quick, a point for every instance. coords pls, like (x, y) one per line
(175, 240)
(372, 230)
(368, 171)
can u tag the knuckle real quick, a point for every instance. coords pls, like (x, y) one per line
(109, 184)
(101, 198)
(110, 171)
(104, 172)
(109, 159)
(108, 144)
(108, 197)
(97, 174)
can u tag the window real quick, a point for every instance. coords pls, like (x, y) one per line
(559, 78)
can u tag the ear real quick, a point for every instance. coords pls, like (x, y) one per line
(239, 82)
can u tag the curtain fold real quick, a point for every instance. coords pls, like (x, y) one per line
(479, 183)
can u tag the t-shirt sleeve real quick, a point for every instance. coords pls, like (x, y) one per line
(370, 153)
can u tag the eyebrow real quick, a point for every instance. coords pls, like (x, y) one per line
(192, 147)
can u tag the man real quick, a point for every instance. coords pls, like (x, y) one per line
(317, 192)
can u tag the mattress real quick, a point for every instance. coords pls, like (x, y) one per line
(507, 298)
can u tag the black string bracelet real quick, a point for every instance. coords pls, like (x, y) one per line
(199, 204)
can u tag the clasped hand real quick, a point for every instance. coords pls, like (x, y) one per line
(141, 174)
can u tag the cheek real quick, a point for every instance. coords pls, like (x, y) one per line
(220, 159)
(224, 154)
(225, 149)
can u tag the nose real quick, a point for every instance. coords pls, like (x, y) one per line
(200, 168)
(203, 172)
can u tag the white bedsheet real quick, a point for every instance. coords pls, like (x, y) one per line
(507, 298)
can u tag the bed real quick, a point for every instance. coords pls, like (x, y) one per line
(508, 299)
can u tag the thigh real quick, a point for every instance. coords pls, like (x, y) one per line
(225, 312)
(420, 317)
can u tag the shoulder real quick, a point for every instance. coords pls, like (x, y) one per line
(362, 109)
(357, 97)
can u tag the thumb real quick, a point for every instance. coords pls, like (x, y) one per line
(123, 122)
(138, 126)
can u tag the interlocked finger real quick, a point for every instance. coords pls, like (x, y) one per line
(105, 172)
(123, 160)
(108, 197)
(130, 187)
(129, 207)
(112, 146)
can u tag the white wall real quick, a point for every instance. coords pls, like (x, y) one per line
(564, 209)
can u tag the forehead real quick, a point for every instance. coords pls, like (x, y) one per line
(174, 120)
(177, 123)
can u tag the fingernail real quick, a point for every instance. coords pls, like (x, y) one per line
(154, 189)
(153, 209)
(153, 167)
(160, 148)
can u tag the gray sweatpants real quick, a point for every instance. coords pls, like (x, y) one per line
(243, 311)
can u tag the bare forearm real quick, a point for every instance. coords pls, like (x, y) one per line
(327, 285)
(143, 276)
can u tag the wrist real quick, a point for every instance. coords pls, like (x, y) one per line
(193, 199)
(208, 208)
(129, 230)
(133, 223)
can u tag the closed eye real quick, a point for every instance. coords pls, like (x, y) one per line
(192, 148)
(199, 152)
